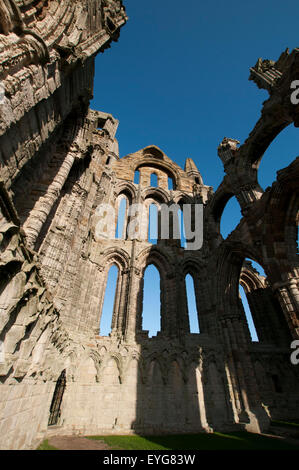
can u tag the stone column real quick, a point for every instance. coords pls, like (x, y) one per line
(288, 295)
(182, 305)
(40, 212)
(133, 319)
(96, 297)
(247, 401)
(119, 315)
(232, 372)
(169, 319)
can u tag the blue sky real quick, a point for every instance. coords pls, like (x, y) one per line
(178, 78)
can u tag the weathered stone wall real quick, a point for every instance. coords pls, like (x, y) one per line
(30, 332)
(47, 55)
(59, 163)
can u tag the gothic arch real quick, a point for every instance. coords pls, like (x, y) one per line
(140, 367)
(229, 264)
(162, 165)
(218, 202)
(152, 362)
(122, 215)
(87, 370)
(158, 195)
(120, 259)
(118, 361)
(182, 198)
(97, 359)
(174, 359)
(265, 132)
(191, 265)
(155, 255)
(153, 151)
(250, 279)
(128, 189)
(116, 256)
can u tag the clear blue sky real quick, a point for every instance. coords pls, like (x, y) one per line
(178, 78)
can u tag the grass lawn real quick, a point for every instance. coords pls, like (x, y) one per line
(215, 441)
(46, 446)
(286, 424)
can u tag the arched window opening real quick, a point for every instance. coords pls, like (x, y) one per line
(121, 226)
(154, 180)
(151, 313)
(170, 183)
(153, 224)
(256, 266)
(280, 153)
(183, 241)
(231, 217)
(109, 302)
(55, 408)
(137, 177)
(248, 314)
(108, 160)
(101, 123)
(191, 304)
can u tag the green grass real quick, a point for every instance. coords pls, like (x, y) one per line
(46, 446)
(285, 424)
(215, 441)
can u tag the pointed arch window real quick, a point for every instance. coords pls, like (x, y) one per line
(170, 183)
(154, 180)
(151, 312)
(121, 226)
(137, 177)
(249, 301)
(230, 217)
(109, 304)
(183, 241)
(191, 304)
(153, 223)
(249, 318)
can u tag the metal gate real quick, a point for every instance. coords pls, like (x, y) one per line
(57, 399)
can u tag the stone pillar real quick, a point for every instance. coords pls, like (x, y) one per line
(169, 320)
(119, 316)
(247, 401)
(232, 371)
(134, 304)
(96, 298)
(182, 305)
(40, 212)
(288, 295)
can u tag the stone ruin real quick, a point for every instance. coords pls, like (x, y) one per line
(59, 163)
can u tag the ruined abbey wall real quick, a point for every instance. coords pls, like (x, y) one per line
(59, 164)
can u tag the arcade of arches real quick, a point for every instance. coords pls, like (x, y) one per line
(59, 163)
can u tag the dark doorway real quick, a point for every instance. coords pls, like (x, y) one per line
(57, 399)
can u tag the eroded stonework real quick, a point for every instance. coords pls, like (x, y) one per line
(59, 163)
